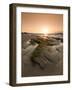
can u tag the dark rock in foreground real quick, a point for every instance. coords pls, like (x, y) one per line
(42, 56)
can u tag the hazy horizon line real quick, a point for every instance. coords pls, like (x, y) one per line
(41, 32)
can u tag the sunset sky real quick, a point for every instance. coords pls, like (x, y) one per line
(38, 23)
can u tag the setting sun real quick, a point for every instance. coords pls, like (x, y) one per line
(45, 31)
(41, 23)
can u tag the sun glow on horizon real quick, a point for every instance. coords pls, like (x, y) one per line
(45, 31)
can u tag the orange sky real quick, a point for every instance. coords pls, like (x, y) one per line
(35, 22)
